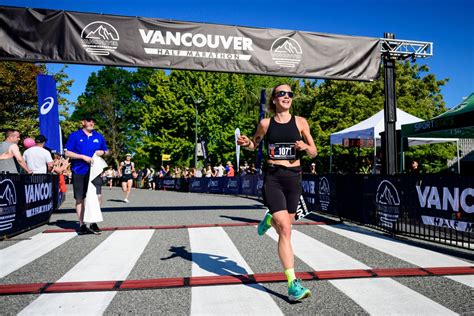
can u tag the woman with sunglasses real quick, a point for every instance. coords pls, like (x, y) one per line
(285, 136)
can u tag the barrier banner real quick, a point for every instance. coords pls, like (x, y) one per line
(231, 185)
(26, 202)
(198, 185)
(42, 35)
(383, 196)
(216, 185)
(247, 185)
(319, 193)
(442, 201)
(49, 113)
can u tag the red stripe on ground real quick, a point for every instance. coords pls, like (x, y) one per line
(342, 274)
(220, 279)
(399, 272)
(176, 226)
(152, 284)
(81, 286)
(59, 287)
(450, 270)
(32, 288)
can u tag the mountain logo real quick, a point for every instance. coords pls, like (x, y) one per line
(286, 52)
(324, 193)
(387, 203)
(99, 38)
(8, 201)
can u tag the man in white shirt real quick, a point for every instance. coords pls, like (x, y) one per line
(37, 158)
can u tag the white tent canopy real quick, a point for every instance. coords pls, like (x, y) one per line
(374, 125)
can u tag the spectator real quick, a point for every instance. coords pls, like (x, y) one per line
(37, 158)
(10, 152)
(209, 172)
(312, 169)
(81, 147)
(109, 175)
(414, 167)
(230, 170)
(219, 170)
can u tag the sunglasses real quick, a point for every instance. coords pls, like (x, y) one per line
(280, 94)
(89, 120)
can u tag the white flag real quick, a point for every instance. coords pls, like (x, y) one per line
(237, 149)
(92, 211)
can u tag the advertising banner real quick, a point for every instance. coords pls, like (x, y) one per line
(42, 35)
(26, 202)
(446, 202)
(49, 113)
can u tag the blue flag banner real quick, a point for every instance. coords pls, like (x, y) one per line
(49, 113)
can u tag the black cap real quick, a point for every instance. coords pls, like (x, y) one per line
(40, 139)
(88, 117)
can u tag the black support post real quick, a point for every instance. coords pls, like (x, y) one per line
(390, 109)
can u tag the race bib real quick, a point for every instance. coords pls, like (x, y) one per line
(282, 151)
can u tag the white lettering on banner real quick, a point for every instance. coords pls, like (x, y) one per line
(448, 223)
(40, 209)
(429, 197)
(309, 187)
(38, 192)
(197, 40)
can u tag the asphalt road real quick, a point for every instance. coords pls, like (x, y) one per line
(222, 250)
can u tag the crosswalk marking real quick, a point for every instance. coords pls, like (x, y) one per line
(214, 253)
(415, 255)
(24, 252)
(365, 292)
(113, 259)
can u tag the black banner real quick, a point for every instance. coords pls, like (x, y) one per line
(26, 202)
(41, 35)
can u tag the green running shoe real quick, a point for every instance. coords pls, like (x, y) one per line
(297, 292)
(264, 225)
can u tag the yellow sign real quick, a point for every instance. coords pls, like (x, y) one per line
(165, 157)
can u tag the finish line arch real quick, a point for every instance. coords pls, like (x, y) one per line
(54, 36)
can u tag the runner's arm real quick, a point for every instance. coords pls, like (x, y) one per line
(15, 151)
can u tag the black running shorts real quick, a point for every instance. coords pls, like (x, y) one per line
(79, 185)
(282, 188)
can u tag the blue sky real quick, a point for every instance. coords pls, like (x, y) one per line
(446, 23)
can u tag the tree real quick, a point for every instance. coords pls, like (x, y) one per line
(19, 97)
(111, 96)
(339, 104)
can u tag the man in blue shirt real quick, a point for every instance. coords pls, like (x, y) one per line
(80, 147)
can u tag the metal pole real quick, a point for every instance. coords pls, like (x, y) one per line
(390, 112)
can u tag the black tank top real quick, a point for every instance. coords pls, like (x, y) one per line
(281, 138)
(127, 170)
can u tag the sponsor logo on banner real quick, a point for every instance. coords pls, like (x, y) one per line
(47, 105)
(196, 183)
(324, 193)
(455, 202)
(232, 184)
(39, 192)
(99, 38)
(309, 187)
(259, 184)
(169, 183)
(286, 52)
(213, 184)
(448, 223)
(245, 184)
(7, 204)
(387, 202)
(196, 45)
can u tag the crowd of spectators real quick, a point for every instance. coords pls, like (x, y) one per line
(144, 178)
